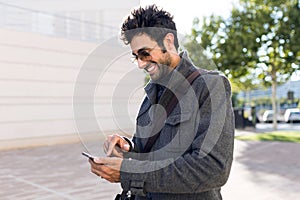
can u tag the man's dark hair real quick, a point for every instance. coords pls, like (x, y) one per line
(156, 23)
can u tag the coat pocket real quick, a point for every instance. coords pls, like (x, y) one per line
(177, 133)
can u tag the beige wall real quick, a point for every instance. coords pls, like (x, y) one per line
(37, 79)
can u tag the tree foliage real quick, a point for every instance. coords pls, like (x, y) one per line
(260, 41)
(258, 45)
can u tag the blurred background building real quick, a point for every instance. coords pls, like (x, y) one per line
(282, 91)
(42, 47)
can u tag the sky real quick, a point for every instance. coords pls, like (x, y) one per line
(184, 11)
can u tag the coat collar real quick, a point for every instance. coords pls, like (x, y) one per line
(174, 79)
(173, 83)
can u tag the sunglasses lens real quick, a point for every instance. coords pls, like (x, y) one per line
(143, 55)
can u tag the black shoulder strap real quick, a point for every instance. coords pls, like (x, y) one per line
(169, 108)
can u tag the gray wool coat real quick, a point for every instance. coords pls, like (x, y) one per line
(192, 157)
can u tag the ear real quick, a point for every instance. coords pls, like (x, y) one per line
(169, 42)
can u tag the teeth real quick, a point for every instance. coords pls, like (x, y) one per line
(150, 68)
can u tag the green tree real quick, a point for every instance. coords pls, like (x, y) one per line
(258, 45)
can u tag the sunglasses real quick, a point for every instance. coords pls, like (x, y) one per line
(142, 54)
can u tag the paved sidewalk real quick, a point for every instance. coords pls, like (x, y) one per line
(264, 171)
(261, 171)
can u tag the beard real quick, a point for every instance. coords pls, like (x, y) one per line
(163, 68)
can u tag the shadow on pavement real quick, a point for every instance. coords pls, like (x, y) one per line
(265, 170)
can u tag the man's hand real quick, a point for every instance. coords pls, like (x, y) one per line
(107, 168)
(115, 145)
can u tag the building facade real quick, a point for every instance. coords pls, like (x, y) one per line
(44, 46)
(282, 91)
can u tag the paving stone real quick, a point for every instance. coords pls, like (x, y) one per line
(261, 171)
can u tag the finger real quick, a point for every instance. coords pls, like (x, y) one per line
(98, 161)
(113, 144)
(99, 168)
(109, 162)
(122, 144)
(109, 143)
(104, 173)
(105, 146)
(106, 143)
(107, 168)
(101, 173)
(117, 152)
(125, 146)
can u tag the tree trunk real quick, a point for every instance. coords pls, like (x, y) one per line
(274, 100)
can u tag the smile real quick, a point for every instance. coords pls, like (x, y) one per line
(151, 68)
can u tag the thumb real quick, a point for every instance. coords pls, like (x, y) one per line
(126, 147)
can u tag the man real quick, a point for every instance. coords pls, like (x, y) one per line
(192, 155)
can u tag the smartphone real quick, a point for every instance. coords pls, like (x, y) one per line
(88, 155)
